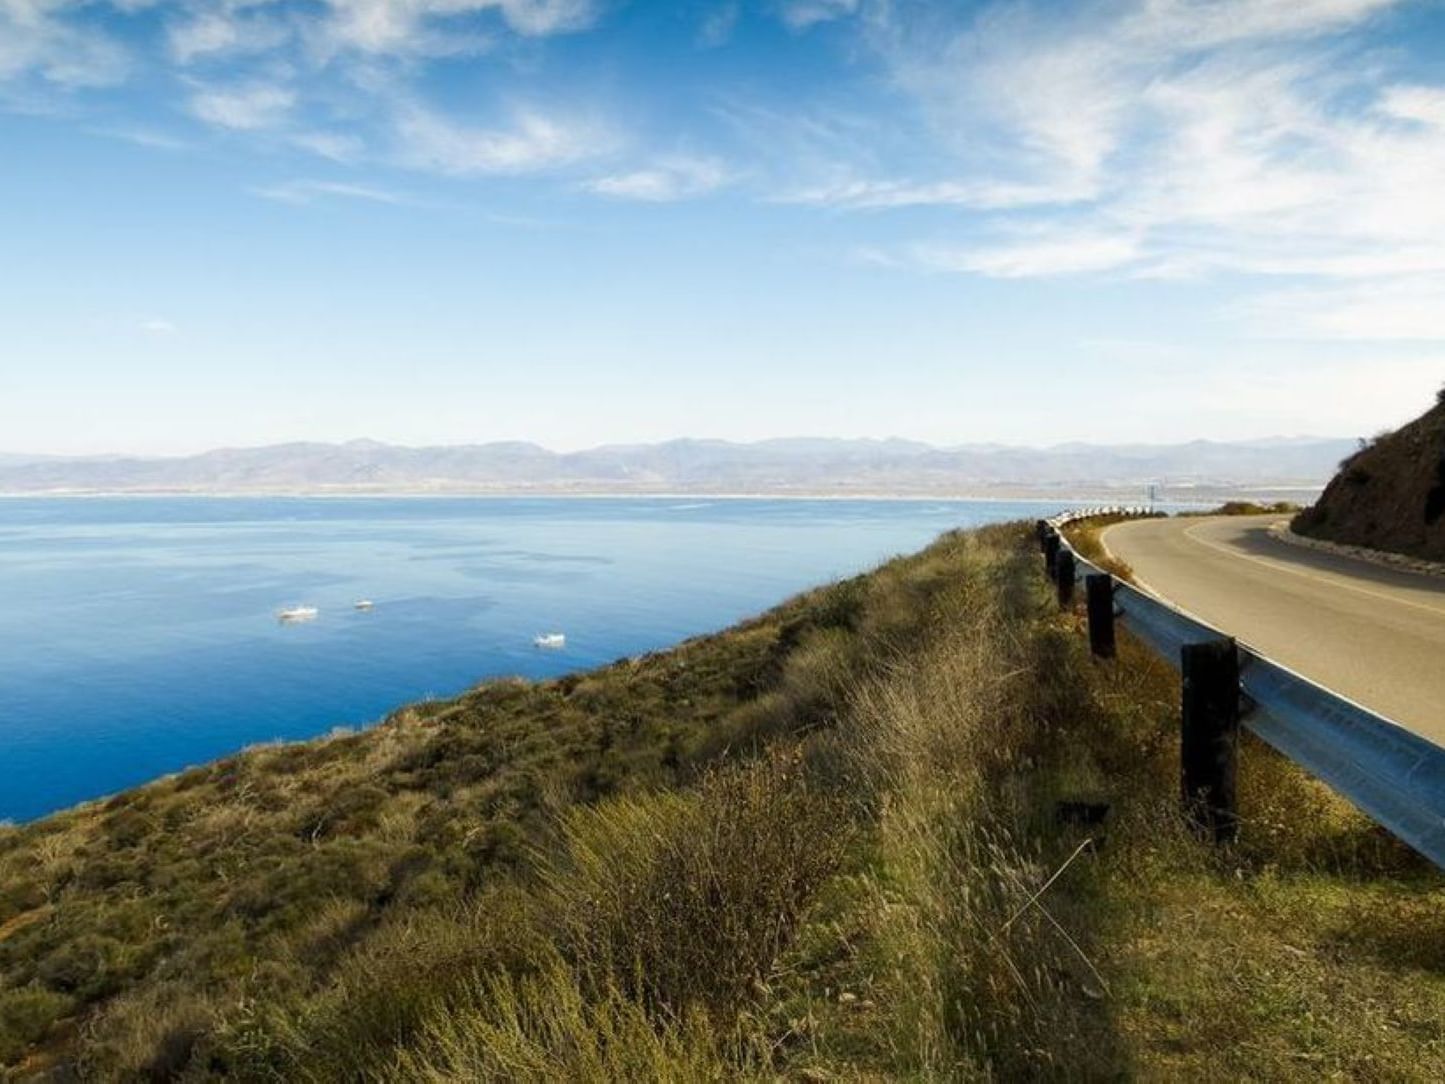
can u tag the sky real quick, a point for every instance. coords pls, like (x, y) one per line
(575, 222)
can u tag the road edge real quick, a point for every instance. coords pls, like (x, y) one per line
(1397, 561)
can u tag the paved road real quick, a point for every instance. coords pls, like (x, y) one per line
(1372, 634)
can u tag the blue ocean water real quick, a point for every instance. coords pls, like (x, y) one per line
(138, 636)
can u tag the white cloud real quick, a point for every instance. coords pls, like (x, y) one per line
(1197, 24)
(250, 107)
(801, 14)
(859, 194)
(1059, 99)
(530, 143)
(429, 26)
(158, 327)
(337, 146)
(1050, 254)
(40, 37)
(1177, 138)
(1425, 105)
(666, 180)
(235, 27)
(302, 192)
(143, 137)
(717, 25)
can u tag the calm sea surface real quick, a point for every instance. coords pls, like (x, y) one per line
(139, 636)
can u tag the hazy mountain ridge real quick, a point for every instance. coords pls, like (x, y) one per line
(818, 465)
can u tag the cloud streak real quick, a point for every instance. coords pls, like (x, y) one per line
(667, 180)
(302, 192)
(528, 142)
(247, 108)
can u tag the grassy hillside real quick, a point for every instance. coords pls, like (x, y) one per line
(898, 828)
(1390, 495)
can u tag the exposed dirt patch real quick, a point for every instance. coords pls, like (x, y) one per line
(19, 922)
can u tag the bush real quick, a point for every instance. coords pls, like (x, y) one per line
(684, 901)
(26, 1015)
(86, 965)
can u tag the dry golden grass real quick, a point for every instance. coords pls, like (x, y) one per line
(1086, 536)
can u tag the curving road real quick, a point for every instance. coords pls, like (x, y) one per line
(1372, 634)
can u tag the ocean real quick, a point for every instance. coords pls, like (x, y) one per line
(139, 636)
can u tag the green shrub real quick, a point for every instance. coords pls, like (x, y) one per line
(687, 900)
(86, 965)
(26, 1014)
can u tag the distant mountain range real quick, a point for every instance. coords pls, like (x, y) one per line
(774, 467)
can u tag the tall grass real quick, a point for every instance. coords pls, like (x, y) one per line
(685, 901)
(978, 979)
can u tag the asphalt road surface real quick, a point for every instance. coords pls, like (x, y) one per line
(1372, 634)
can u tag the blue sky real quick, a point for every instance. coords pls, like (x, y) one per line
(582, 221)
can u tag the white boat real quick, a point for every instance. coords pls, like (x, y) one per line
(552, 640)
(298, 613)
(364, 604)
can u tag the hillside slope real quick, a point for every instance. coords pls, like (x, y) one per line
(832, 843)
(1390, 495)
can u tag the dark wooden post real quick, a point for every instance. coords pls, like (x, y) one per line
(1100, 589)
(1041, 530)
(1064, 572)
(1051, 553)
(1209, 737)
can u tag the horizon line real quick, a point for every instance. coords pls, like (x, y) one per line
(980, 445)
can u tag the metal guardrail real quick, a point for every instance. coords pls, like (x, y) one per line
(1392, 775)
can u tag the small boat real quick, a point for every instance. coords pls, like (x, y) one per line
(298, 613)
(552, 640)
(364, 604)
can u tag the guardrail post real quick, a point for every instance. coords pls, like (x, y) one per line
(1100, 597)
(1051, 553)
(1041, 530)
(1064, 573)
(1209, 737)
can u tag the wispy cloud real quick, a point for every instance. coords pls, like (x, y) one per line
(666, 180)
(1052, 253)
(303, 191)
(801, 14)
(323, 77)
(44, 38)
(1062, 99)
(234, 27)
(337, 146)
(857, 194)
(432, 27)
(717, 24)
(529, 142)
(1176, 139)
(158, 327)
(143, 137)
(247, 108)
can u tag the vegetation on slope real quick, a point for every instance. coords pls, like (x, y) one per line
(902, 827)
(1390, 495)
